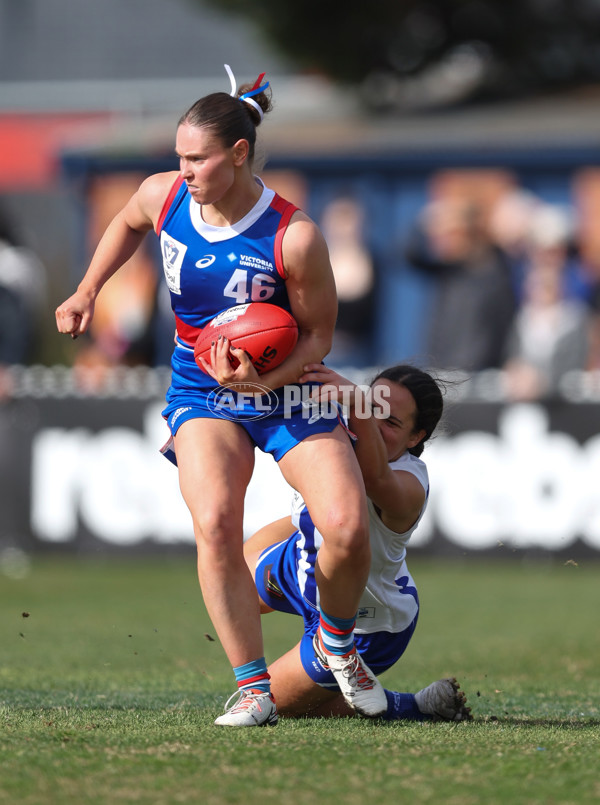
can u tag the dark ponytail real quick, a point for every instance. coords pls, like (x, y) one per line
(228, 117)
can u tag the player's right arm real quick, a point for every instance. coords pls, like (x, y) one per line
(118, 243)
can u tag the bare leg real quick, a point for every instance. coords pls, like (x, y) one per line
(324, 470)
(298, 696)
(215, 459)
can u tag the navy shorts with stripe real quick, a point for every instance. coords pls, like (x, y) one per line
(278, 585)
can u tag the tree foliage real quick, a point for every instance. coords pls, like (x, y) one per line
(398, 52)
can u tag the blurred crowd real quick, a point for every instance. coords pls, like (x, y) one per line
(512, 290)
(23, 297)
(513, 285)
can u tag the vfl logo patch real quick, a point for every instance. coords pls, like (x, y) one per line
(173, 253)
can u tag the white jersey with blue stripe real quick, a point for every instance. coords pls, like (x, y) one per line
(389, 602)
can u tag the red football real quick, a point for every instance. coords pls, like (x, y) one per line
(268, 334)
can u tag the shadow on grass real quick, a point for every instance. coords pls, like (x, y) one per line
(46, 702)
(570, 723)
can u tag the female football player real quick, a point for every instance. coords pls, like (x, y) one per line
(227, 239)
(283, 555)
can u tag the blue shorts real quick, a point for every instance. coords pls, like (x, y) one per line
(276, 421)
(280, 582)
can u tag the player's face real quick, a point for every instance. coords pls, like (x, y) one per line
(395, 410)
(207, 167)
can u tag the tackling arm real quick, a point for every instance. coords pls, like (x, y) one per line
(313, 301)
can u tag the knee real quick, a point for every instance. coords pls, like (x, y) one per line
(217, 531)
(347, 533)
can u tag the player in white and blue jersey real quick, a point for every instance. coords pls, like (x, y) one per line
(228, 239)
(283, 556)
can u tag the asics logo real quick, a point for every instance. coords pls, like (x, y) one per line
(205, 261)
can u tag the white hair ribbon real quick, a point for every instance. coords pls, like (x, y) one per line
(247, 96)
(232, 79)
(253, 103)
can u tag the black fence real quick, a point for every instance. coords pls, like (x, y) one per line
(83, 473)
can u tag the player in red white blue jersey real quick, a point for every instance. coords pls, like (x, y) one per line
(282, 557)
(208, 269)
(263, 250)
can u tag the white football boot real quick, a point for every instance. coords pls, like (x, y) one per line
(358, 684)
(253, 708)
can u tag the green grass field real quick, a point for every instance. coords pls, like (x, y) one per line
(109, 683)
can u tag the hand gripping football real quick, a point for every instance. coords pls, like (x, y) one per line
(267, 333)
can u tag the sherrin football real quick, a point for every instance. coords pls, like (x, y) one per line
(267, 333)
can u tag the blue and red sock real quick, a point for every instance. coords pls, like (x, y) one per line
(336, 634)
(253, 675)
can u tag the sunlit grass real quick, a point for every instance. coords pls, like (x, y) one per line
(110, 680)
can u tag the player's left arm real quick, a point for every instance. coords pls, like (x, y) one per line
(313, 301)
